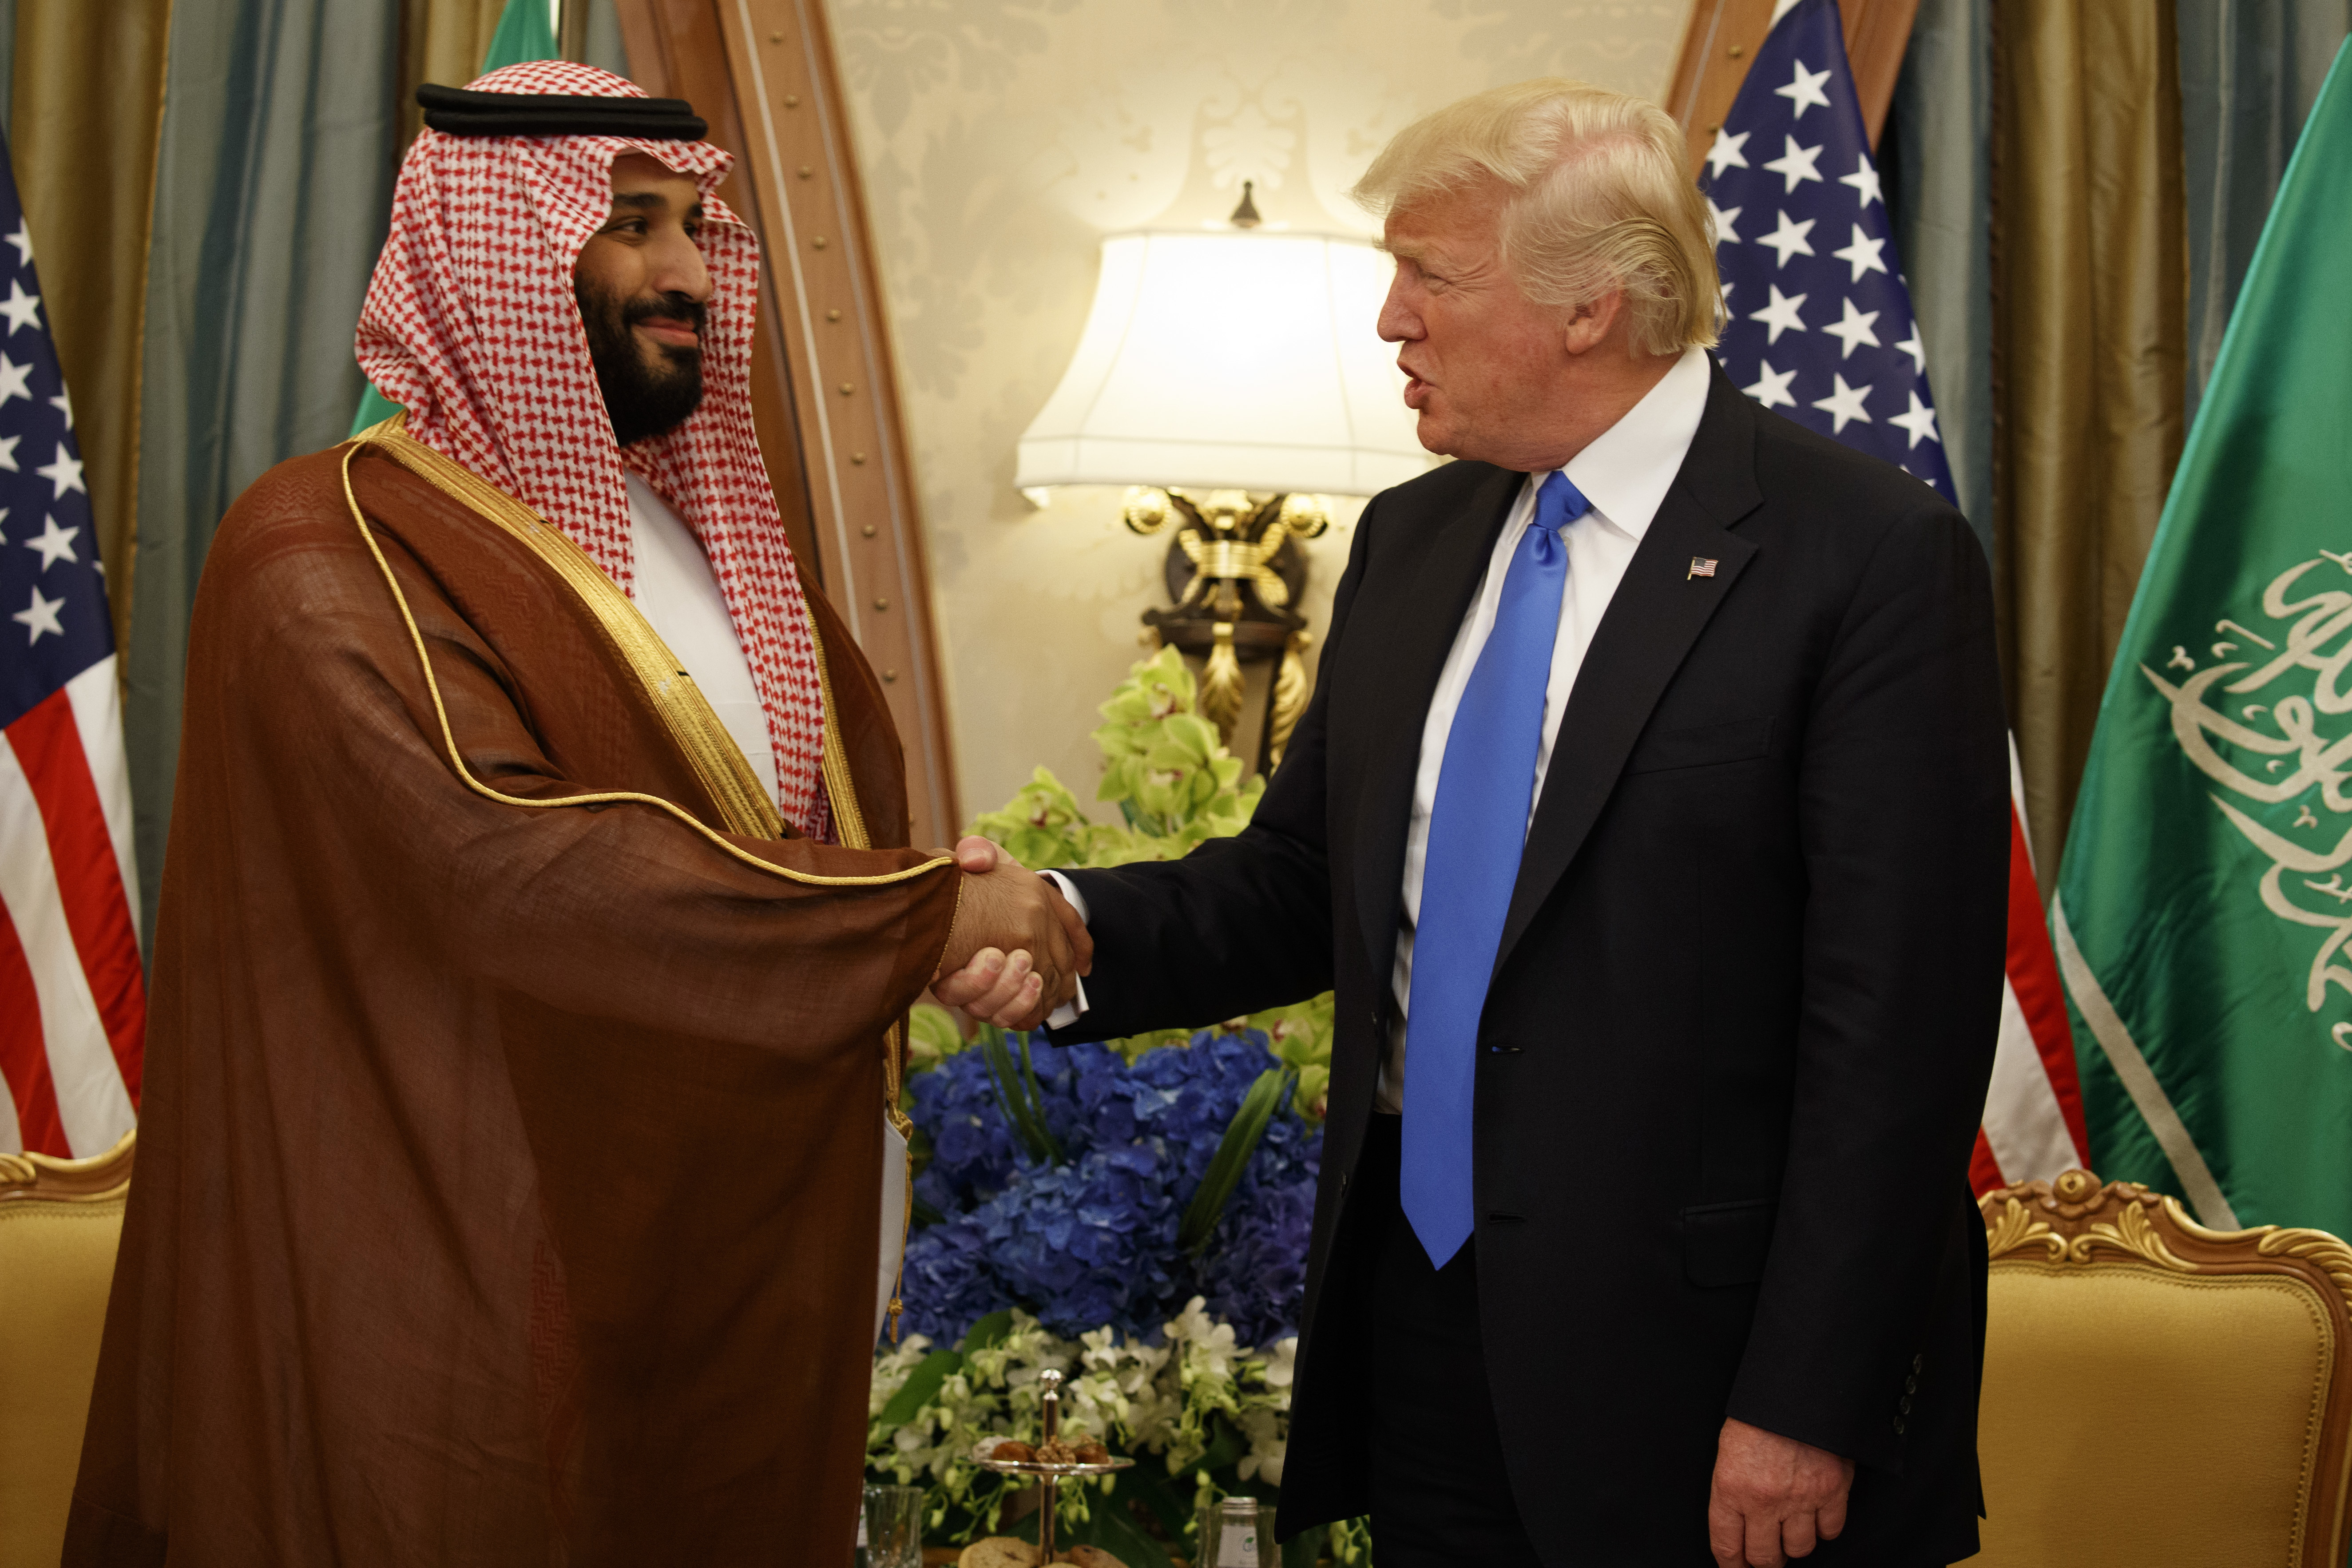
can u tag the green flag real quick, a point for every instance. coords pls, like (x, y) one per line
(526, 32)
(2205, 901)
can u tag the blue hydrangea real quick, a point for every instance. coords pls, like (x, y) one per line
(948, 1281)
(1090, 1242)
(1093, 1240)
(971, 1144)
(1254, 1271)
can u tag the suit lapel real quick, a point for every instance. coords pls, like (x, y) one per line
(1419, 616)
(1657, 613)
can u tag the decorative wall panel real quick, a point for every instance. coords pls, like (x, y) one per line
(1001, 140)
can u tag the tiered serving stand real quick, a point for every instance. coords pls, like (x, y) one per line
(1050, 1475)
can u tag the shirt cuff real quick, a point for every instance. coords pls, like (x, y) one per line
(1068, 1013)
(1070, 891)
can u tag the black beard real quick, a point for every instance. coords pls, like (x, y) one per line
(641, 399)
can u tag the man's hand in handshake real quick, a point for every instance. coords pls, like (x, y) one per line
(1017, 947)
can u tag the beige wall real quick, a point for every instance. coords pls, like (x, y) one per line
(1001, 141)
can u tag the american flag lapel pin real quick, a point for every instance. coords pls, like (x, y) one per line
(1700, 566)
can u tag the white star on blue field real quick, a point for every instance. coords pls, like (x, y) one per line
(53, 613)
(1818, 322)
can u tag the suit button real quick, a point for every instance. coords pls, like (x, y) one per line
(1916, 1362)
(1911, 1384)
(1898, 1426)
(1904, 1405)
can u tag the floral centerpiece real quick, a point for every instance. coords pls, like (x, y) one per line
(1134, 1215)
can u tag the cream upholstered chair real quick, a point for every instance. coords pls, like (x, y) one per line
(2158, 1394)
(59, 1220)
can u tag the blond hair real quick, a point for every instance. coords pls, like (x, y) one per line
(1599, 197)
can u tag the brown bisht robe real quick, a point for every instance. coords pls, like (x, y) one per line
(508, 1181)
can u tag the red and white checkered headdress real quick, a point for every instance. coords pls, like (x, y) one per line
(471, 325)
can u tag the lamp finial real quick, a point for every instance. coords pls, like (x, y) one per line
(1245, 214)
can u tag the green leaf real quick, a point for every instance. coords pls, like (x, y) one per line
(1149, 1483)
(1114, 1528)
(1025, 1113)
(992, 1046)
(989, 1330)
(1305, 1549)
(1232, 1156)
(1350, 1541)
(1225, 1448)
(1045, 1138)
(922, 1385)
(1140, 820)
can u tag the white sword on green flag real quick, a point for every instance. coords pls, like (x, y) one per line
(2203, 907)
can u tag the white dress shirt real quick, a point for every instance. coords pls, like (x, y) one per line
(679, 592)
(1626, 473)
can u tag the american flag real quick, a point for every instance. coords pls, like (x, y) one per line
(1818, 327)
(73, 1007)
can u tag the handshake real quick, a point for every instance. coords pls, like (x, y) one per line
(1017, 947)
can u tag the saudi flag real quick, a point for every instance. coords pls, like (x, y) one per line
(526, 31)
(2205, 902)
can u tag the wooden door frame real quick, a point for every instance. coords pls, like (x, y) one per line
(1720, 40)
(825, 392)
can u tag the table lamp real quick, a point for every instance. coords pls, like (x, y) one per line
(1235, 380)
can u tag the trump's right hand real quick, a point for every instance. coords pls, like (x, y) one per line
(1017, 947)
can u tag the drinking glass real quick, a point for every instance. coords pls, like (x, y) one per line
(890, 1529)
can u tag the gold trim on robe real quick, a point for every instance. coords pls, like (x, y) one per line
(712, 752)
(840, 790)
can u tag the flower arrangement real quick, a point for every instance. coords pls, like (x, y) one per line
(1205, 1405)
(1175, 785)
(1064, 1179)
(1134, 1214)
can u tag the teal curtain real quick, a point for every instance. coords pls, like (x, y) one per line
(279, 143)
(2250, 70)
(8, 56)
(601, 44)
(281, 139)
(1936, 163)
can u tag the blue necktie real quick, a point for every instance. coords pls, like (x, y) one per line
(1476, 831)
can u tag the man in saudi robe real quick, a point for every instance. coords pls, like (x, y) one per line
(537, 931)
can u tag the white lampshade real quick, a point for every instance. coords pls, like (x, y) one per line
(1245, 360)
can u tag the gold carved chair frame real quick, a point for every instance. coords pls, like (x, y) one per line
(2077, 1223)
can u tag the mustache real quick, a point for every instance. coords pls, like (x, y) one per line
(677, 307)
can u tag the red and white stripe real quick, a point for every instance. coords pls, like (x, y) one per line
(2032, 1127)
(73, 1006)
